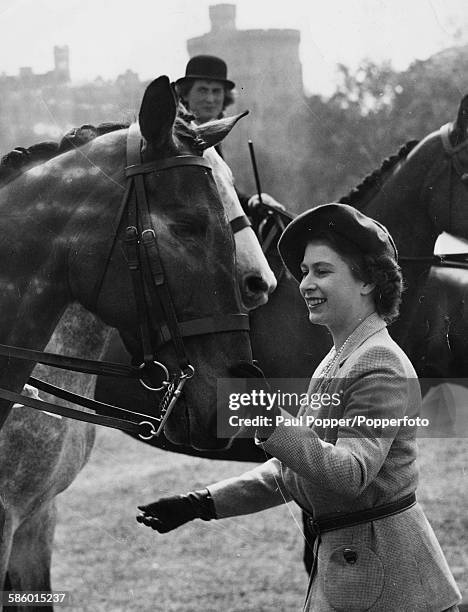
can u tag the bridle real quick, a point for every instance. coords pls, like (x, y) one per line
(155, 311)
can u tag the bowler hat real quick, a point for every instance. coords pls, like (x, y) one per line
(370, 236)
(208, 68)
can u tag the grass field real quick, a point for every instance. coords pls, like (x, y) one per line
(253, 563)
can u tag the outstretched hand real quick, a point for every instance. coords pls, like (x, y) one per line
(168, 513)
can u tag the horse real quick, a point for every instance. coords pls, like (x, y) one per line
(406, 194)
(66, 237)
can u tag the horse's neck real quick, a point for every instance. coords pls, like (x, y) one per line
(32, 298)
(28, 319)
(36, 234)
(79, 334)
(399, 205)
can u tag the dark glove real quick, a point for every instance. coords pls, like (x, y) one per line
(168, 513)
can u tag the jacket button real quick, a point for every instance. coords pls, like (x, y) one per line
(350, 556)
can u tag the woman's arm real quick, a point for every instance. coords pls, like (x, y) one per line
(376, 388)
(252, 491)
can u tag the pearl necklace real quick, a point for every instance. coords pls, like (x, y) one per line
(330, 365)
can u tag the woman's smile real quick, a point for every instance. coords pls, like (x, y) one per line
(313, 302)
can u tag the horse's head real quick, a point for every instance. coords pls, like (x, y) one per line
(256, 279)
(187, 300)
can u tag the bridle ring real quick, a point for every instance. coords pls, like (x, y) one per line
(153, 430)
(189, 372)
(166, 373)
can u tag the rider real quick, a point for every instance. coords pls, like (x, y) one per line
(206, 92)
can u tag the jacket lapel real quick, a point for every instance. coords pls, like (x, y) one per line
(370, 326)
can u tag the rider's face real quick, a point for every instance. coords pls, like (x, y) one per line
(205, 100)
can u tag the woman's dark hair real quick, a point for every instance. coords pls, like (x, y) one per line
(183, 89)
(382, 270)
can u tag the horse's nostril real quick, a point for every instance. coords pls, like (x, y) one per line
(256, 284)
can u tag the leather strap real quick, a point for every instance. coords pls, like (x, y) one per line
(209, 325)
(86, 366)
(164, 164)
(449, 260)
(86, 402)
(239, 223)
(158, 286)
(79, 415)
(339, 521)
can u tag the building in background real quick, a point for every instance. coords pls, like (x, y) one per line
(267, 71)
(264, 64)
(39, 107)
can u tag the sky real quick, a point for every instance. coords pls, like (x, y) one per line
(107, 37)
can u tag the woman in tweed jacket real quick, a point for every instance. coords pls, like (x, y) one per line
(351, 464)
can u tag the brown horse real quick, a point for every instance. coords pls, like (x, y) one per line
(60, 242)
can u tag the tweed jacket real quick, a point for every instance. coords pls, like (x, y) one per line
(348, 467)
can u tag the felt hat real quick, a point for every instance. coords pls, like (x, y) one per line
(370, 236)
(207, 68)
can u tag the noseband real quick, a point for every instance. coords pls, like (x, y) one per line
(155, 311)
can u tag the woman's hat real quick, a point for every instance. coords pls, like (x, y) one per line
(370, 236)
(208, 68)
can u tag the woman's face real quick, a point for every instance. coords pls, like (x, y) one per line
(333, 295)
(205, 100)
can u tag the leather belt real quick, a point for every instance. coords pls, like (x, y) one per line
(339, 521)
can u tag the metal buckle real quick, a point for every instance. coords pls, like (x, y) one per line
(166, 375)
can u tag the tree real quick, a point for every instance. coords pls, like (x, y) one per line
(373, 111)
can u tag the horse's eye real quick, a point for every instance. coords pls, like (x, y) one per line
(189, 229)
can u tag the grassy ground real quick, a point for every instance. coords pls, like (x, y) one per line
(253, 563)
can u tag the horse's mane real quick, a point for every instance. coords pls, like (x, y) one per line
(20, 159)
(376, 178)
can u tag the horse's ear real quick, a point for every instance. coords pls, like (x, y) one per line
(213, 132)
(158, 112)
(460, 127)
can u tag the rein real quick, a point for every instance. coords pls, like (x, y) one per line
(152, 295)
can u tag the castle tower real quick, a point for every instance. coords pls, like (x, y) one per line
(223, 17)
(267, 71)
(61, 63)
